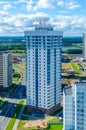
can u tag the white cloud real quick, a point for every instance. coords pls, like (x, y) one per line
(7, 6)
(40, 4)
(72, 5)
(29, 5)
(44, 4)
(23, 21)
(3, 13)
(70, 25)
(60, 3)
(69, 4)
(17, 24)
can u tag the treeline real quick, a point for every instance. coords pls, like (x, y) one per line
(14, 39)
(12, 46)
(70, 41)
(73, 51)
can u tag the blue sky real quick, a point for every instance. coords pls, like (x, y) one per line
(16, 16)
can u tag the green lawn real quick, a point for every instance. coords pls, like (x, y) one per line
(52, 126)
(76, 67)
(85, 64)
(15, 115)
(18, 51)
(73, 66)
(55, 127)
(16, 77)
(16, 65)
(24, 120)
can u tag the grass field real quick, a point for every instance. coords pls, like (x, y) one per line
(70, 79)
(16, 77)
(52, 126)
(72, 66)
(55, 127)
(77, 68)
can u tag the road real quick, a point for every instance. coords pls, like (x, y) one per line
(13, 99)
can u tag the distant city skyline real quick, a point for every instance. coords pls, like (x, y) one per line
(17, 16)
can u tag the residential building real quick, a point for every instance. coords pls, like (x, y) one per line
(68, 109)
(74, 103)
(5, 69)
(43, 68)
(84, 46)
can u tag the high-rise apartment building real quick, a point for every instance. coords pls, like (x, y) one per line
(43, 71)
(5, 69)
(74, 103)
(84, 45)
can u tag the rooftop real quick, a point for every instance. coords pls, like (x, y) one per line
(43, 26)
(68, 90)
(43, 29)
(80, 83)
(4, 52)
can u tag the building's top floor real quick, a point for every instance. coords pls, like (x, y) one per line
(43, 27)
(79, 86)
(43, 30)
(4, 52)
(68, 90)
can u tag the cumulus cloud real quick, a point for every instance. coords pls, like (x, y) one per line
(70, 25)
(44, 4)
(40, 4)
(34, 5)
(17, 24)
(11, 24)
(3, 13)
(72, 5)
(7, 6)
(29, 5)
(69, 4)
(60, 3)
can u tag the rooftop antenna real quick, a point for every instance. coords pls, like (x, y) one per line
(41, 21)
